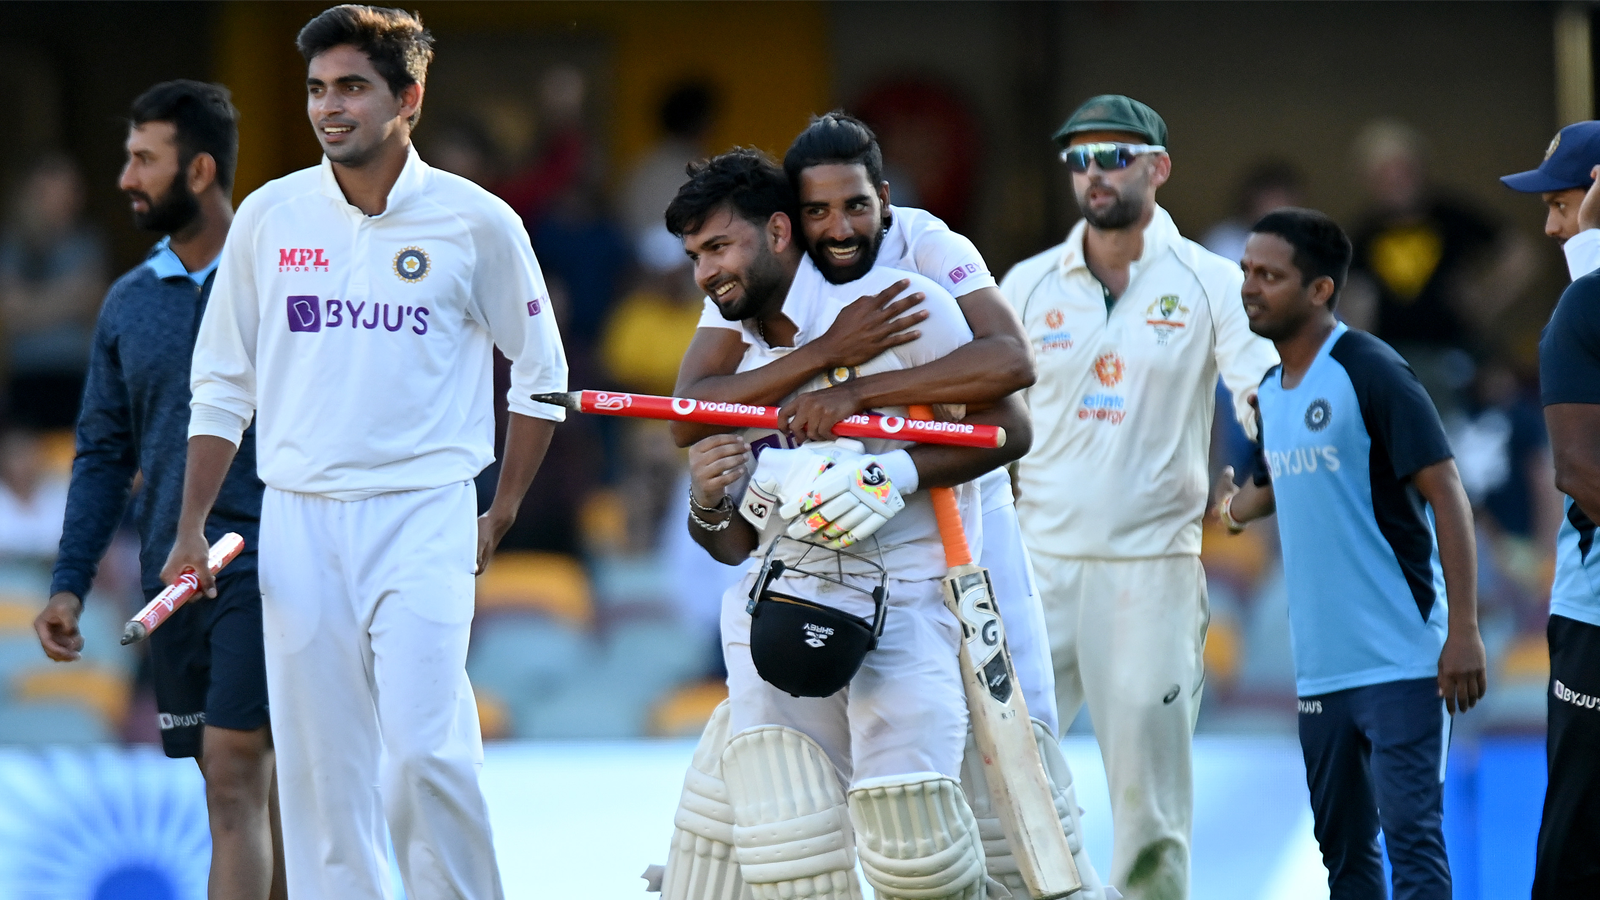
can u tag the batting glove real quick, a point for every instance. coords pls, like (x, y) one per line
(844, 504)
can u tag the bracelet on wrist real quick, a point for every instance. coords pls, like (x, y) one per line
(724, 508)
(1234, 526)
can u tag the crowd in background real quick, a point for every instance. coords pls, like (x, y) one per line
(599, 617)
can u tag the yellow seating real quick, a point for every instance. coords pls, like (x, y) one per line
(1527, 659)
(685, 711)
(1224, 646)
(57, 448)
(494, 720)
(551, 583)
(1241, 556)
(99, 690)
(17, 617)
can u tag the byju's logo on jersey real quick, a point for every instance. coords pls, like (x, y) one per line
(306, 314)
(960, 273)
(411, 264)
(302, 259)
(535, 305)
(1318, 414)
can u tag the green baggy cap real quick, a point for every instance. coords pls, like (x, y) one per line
(1113, 112)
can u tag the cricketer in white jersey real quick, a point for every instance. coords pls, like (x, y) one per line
(1112, 493)
(355, 320)
(918, 241)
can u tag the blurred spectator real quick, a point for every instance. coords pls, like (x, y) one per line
(932, 145)
(564, 148)
(1430, 272)
(1268, 185)
(686, 116)
(1503, 452)
(646, 336)
(462, 148)
(52, 274)
(31, 502)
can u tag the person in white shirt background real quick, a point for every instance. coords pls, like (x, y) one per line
(1131, 324)
(368, 440)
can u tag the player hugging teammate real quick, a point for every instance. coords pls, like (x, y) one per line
(846, 724)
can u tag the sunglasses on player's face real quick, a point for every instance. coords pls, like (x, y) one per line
(1108, 155)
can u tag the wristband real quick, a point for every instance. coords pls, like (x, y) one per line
(902, 471)
(1226, 510)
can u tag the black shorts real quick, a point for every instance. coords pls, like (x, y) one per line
(209, 664)
(1566, 864)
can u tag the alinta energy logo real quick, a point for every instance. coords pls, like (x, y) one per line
(1109, 369)
(1055, 338)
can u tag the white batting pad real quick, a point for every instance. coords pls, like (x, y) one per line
(917, 837)
(700, 863)
(791, 830)
(1066, 802)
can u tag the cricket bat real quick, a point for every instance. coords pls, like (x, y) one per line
(161, 607)
(1018, 788)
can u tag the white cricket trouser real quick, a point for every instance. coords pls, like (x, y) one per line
(366, 606)
(1127, 636)
(906, 709)
(1011, 574)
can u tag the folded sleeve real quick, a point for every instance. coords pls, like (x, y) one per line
(222, 376)
(509, 297)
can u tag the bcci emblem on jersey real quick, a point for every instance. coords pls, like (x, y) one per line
(1318, 414)
(411, 264)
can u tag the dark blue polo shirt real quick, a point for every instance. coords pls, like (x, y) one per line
(135, 419)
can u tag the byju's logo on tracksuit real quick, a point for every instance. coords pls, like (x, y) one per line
(306, 314)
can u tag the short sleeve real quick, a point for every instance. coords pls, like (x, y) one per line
(1399, 415)
(1569, 349)
(1260, 471)
(949, 259)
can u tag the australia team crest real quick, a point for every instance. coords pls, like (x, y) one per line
(1165, 316)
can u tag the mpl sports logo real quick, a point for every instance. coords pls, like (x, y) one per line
(302, 259)
(306, 314)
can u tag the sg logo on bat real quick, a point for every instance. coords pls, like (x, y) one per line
(984, 632)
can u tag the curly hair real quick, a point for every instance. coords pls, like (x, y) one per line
(744, 179)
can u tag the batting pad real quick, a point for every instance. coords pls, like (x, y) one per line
(700, 863)
(917, 837)
(791, 829)
(1002, 865)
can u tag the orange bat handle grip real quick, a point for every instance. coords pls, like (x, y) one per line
(945, 511)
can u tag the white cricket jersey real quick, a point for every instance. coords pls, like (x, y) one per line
(910, 540)
(1123, 404)
(919, 241)
(363, 344)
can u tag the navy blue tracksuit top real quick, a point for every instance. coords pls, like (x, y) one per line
(135, 418)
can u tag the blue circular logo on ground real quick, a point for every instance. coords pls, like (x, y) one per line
(411, 264)
(1318, 414)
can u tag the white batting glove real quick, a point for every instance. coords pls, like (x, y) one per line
(844, 504)
(782, 473)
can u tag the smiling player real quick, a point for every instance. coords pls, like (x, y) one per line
(1353, 459)
(356, 310)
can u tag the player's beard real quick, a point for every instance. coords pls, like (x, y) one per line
(172, 212)
(763, 279)
(1128, 208)
(837, 274)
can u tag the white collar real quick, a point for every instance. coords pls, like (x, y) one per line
(410, 182)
